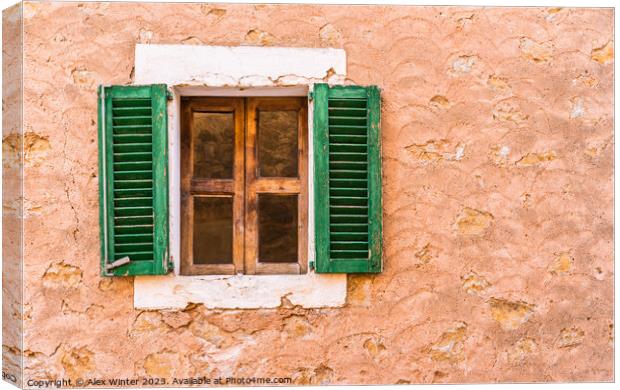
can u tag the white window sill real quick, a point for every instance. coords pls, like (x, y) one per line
(240, 291)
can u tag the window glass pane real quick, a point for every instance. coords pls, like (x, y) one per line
(277, 143)
(277, 228)
(214, 142)
(213, 229)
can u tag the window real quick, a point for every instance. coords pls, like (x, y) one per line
(242, 172)
(244, 185)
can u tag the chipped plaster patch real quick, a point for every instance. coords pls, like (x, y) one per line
(509, 110)
(473, 222)
(552, 13)
(439, 101)
(463, 65)
(500, 154)
(498, 83)
(534, 159)
(571, 337)
(562, 264)
(259, 37)
(603, 54)
(474, 284)
(577, 109)
(34, 146)
(62, 275)
(449, 347)
(78, 362)
(586, 79)
(425, 254)
(510, 314)
(521, 350)
(436, 150)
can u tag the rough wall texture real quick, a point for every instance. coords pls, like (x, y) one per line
(12, 180)
(497, 164)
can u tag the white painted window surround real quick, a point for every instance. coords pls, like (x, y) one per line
(191, 70)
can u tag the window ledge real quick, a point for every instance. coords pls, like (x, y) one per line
(240, 291)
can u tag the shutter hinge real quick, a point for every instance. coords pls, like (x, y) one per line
(311, 264)
(169, 95)
(310, 95)
(117, 263)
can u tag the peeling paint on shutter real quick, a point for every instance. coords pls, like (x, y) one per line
(347, 161)
(133, 180)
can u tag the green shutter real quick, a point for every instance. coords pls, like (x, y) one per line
(133, 180)
(347, 179)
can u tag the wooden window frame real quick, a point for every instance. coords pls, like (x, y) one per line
(245, 186)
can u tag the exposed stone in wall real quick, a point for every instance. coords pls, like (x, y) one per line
(436, 150)
(474, 284)
(500, 154)
(176, 319)
(521, 350)
(510, 111)
(510, 314)
(321, 375)
(212, 10)
(426, 254)
(571, 337)
(35, 148)
(450, 345)
(604, 54)
(162, 364)
(463, 64)
(359, 290)
(297, 327)
(78, 362)
(439, 101)
(498, 83)
(536, 158)
(83, 78)
(473, 222)
(258, 37)
(62, 275)
(148, 323)
(374, 346)
(577, 109)
(563, 263)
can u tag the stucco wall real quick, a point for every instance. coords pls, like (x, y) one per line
(497, 164)
(12, 180)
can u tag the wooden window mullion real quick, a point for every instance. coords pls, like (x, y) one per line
(251, 197)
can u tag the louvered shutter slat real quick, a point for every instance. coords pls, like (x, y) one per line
(347, 179)
(133, 179)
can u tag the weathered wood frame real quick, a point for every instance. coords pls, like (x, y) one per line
(256, 185)
(245, 185)
(192, 187)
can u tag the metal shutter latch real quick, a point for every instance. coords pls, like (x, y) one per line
(117, 263)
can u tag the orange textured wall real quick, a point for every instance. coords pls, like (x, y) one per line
(497, 164)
